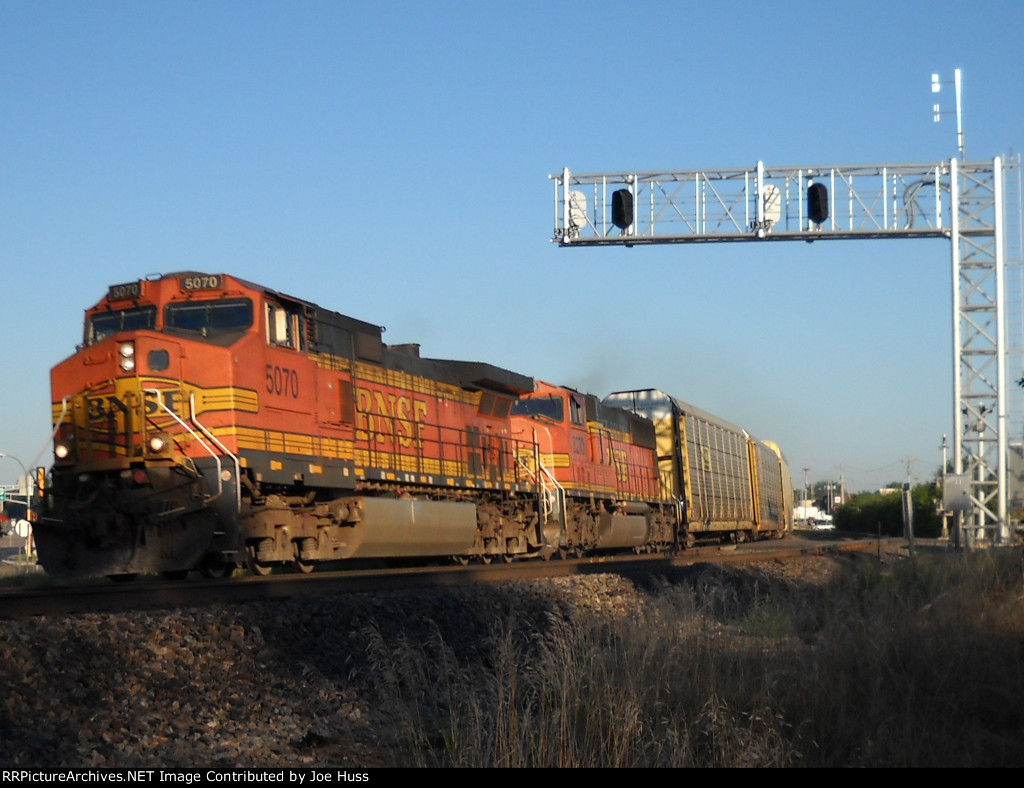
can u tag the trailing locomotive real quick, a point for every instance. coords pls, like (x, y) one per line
(207, 423)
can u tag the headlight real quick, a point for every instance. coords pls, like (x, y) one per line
(157, 443)
(63, 442)
(126, 351)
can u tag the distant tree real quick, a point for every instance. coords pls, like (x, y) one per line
(927, 519)
(869, 512)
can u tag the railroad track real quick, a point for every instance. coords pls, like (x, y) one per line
(100, 595)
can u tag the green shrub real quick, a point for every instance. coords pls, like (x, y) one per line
(873, 513)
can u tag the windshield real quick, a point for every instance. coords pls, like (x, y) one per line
(209, 317)
(550, 407)
(103, 324)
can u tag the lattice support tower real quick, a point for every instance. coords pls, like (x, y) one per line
(964, 202)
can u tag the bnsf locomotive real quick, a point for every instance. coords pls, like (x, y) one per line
(208, 423)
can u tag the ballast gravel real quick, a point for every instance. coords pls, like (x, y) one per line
(273, 684)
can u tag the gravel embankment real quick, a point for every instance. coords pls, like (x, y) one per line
(284, 683)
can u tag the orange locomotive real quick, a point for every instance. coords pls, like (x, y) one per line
(207, 422)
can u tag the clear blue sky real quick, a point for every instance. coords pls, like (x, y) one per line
(389, 160)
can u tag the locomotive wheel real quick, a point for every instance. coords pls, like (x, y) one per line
(308, 564)
(460, 560)
(261, 570)
(216, 571)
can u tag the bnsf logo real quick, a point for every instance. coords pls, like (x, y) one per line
(106, 408)
(385, 416)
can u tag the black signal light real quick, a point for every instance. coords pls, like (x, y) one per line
(817, 202)
(622, 208)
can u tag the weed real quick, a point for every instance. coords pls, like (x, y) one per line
(919, 664)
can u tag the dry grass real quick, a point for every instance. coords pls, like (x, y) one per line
(916, 664)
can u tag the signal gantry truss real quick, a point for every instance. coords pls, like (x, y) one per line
(964, 202)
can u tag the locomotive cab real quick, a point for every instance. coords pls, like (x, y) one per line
(140, 479)
(599, 462)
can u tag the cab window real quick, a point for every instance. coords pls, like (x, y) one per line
(548, 407)
(103, 324)
(576, 411)
(209, 318)
(285, 326)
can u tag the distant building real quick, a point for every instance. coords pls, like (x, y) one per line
(809, 514)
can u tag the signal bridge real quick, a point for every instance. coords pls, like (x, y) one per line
(786, 203)
(967, 203)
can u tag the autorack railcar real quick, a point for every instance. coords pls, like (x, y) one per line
(727, 482)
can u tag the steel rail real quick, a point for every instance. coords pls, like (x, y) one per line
(102, 596)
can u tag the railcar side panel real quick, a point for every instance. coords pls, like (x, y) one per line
(717, 474)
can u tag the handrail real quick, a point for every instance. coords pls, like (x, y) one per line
(223, 448)
(60, 419)
(539, 476)
(199, 440)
